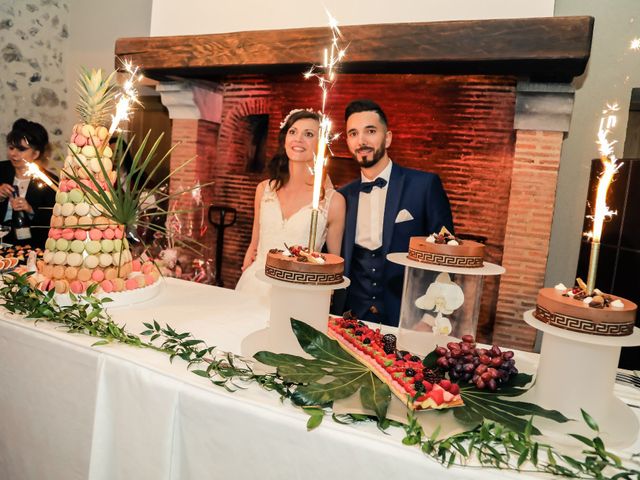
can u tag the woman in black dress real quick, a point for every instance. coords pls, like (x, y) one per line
(26, 142)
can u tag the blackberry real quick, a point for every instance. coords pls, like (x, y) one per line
(431, 376)
(358, 333)
(410, 372)
(389, 343)
(419, 386)
(414, 358)
(366, 341)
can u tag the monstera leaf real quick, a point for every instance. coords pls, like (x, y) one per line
(332, 374)
(499, 407)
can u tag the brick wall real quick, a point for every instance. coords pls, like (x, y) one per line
(235, 186)
(195, 158)
(533, 189)
(460, 127)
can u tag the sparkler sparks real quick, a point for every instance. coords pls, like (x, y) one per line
(635, 44)
(128, 97)
(34, 172)
(326, 76)
(610, 167)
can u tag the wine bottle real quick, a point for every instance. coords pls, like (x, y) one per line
(20, 224)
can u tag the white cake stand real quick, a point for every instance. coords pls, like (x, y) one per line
(577, 371)
(120, 299)
(308, 303)
(487, 268)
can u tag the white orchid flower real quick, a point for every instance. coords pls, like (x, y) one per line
(442, 325)
(443, 296)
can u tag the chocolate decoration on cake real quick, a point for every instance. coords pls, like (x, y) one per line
(445, 249)
(297, 265)
(572, 310)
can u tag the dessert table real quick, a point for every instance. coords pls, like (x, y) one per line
(72, 411)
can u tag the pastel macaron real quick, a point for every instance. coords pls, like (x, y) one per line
(84, 274)
(76, 286)
(74, 259)
(91, 261)
(59, 257)
(68, 234)
(107, 286)
(95, 234)
(97, 276)
(82, 209)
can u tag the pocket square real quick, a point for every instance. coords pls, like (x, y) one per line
(404, 216)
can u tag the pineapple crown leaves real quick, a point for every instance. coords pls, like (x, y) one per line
(121, 202)
(96, 96)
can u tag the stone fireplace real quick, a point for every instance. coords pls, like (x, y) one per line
(484, 104)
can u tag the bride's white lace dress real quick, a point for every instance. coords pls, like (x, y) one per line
(275, 231)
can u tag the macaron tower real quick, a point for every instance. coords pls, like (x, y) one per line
(86, 246)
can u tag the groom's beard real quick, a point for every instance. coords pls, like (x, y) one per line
(367, 156)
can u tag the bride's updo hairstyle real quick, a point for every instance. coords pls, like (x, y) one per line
(279, 164)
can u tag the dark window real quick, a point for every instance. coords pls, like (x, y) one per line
(257, 147)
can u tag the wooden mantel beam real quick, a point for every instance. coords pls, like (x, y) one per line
(554, 47)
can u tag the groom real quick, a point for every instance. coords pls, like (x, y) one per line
(385, 207)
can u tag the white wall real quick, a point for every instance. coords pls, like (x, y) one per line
(191, 17)
(94, 26)
(612, 72)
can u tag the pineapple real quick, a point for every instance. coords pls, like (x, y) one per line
(97, 97)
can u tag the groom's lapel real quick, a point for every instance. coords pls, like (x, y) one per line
(392, 204)
(351, 221)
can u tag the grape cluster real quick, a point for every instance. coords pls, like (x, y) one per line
(486, 368)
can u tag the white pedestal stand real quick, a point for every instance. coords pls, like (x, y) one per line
(308, 303)
(577, 371)
(464, 320)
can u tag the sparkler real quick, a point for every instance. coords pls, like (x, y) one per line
(326, 76)
(34, 172)
(610, 168)
(635, 44)
(128, 97)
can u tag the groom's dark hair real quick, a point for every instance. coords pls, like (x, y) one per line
(365, 105)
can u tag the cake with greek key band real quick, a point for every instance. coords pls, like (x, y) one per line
(596, 314)
(444, 249)
(296, 264)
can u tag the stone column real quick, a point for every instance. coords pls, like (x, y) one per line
(195, 111)
(543, 115)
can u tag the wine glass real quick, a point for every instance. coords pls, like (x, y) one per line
(4, 231)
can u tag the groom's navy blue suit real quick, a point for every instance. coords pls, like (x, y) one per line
(376, 282)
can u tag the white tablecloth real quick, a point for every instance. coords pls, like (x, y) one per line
(72, 411)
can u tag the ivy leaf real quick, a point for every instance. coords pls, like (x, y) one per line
(590, 421)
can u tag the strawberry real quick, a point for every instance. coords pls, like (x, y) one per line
(437, 394)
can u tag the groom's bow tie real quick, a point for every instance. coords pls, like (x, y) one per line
(366, 187)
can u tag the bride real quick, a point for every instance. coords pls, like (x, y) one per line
(283, 202)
